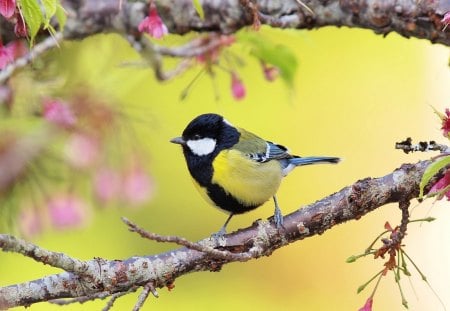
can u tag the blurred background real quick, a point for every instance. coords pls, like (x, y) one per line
(355, 94)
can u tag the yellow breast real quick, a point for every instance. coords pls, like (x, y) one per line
(248, 181)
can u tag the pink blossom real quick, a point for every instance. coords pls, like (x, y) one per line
(58, 112)
(137, 186)
(67, 211)
(237, 87)
(446, 123)
(7, 8)
(6, 56)
(107, 184)
(442, 184)
(270, 72)
(368, 305)
(20, 28)
(82, 151)
(11, 51)
(30, 223)
(445, 20)
(152, 24)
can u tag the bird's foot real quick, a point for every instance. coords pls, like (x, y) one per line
(219, 234)
(277, 215)
(219, 237)
(278, 219)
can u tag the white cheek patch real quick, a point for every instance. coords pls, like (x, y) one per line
(202, 146)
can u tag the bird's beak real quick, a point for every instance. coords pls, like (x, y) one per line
(178, 140)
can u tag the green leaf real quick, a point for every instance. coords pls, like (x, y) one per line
(49, 10)
(32, 15)
(61, 16)
(431, 171)
(198, 7)
(439, 114)
(279, 56)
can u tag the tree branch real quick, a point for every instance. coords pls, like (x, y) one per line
(100, 277)
(410, 18)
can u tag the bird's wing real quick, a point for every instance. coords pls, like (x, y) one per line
(273, 152)
(259, 149)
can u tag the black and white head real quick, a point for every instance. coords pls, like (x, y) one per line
(206, 135)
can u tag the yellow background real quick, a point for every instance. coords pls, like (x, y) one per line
(356, 94)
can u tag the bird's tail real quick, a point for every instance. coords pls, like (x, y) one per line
(298, 161)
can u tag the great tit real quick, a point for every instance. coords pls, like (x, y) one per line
(234, 169)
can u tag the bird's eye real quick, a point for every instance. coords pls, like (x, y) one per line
(197, 136)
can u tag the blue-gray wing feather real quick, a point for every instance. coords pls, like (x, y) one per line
(272, 152)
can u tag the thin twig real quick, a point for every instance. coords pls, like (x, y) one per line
(422, 146)
(80, 300)
(36, 50)
(193, 48)
(226, 255)
(113, 299)
(148, 288)
(59, 260)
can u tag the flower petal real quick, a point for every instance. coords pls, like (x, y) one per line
(7, 8)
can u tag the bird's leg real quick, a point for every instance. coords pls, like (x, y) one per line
(277, 216)
(223, 230)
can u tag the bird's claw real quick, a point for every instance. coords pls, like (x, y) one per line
(278, 219)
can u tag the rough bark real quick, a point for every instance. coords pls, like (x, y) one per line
(100, 277)
(410, 18)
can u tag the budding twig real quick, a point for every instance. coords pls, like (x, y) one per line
(422, 146)
(219, 254)
(36, 50)
(148, 288)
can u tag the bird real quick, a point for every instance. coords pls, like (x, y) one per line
(234, 169)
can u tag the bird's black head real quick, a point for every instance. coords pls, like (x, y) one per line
(207, 135)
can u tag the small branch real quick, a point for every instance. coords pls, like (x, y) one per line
(205, 248)
(260, 239)
(422, 146)
(410, 18)
(144, 294)
(114, 297)
(81, 300)
(36, 51)
(58, 260)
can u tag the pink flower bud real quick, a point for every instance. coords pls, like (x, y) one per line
(442, 184)
(270, 72)
(30, 224)
(58, 112)
(7, 8)
(107, 184)
(20, 28)
(446, 123)
(445, 20)
(11, 51)
(67, 211)
(137, 186)
(368, 305)
(237, 87)
(6, 56)
(82, 151)
(152, 24)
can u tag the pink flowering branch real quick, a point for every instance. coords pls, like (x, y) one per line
(421, 19)
(99, 278)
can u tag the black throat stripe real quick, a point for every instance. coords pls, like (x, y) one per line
(226, 201)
